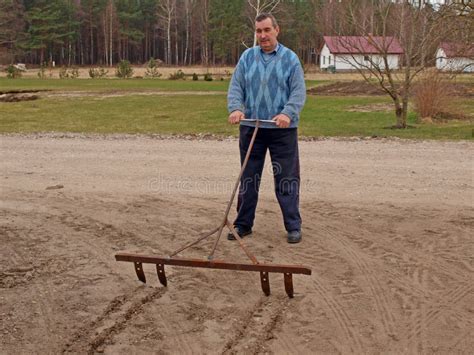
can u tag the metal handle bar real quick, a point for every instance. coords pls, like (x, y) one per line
(256, 119)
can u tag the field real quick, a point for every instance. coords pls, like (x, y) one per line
(387, 226)
(197, 107)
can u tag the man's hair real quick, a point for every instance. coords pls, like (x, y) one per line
(264, 16)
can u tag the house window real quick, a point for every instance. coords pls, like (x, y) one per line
(324, 59)
(329, 60)
(366, 58)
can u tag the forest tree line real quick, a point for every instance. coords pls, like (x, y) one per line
(184, 32)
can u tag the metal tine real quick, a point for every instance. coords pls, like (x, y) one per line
(265, 282)
(288, 279)
(160, 270)
(139, 270)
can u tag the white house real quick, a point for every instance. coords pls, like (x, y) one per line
(353, 52)
(455, 57)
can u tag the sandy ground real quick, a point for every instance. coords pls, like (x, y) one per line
(387, 232)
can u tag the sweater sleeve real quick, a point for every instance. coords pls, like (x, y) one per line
(297, 97)
(236, 93)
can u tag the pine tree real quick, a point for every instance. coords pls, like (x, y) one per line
(130, 28)
(227, 26)
(90, 39)
(12, 27)
(48, 28)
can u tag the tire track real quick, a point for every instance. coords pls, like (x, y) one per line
(397, 245)
(94, 336)
(343, 320)
(179, 318)
(376, 289)
(182, 344)
(448, 301)
(44, 312)
(240, 331)
(257, 326)
(118, 311)
(431, 314)
(341, 317)
(360, 260)
(421, 277)
(467, 335)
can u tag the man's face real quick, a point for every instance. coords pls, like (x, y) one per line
(266, 34)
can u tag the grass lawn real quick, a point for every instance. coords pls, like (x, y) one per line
(187, 113)
(108, 85)
(112, 85)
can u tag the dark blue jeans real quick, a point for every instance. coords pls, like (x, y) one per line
(283, 146)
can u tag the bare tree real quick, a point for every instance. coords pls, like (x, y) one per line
(176, 38)
(259, 6)
(462, 7)
(11, 24)
(205, 16)
(166, 12)
(109, 27)
(369, 51)
(188, 9)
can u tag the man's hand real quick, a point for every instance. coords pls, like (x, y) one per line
(236, 116)
(282, 120)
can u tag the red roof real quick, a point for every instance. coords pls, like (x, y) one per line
(457, 49)
(362, 45)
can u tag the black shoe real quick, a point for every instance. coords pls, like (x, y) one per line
(294, 237)
(241, 231)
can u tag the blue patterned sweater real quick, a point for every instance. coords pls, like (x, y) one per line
(264, 86)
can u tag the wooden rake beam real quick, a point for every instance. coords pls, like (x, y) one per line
(287, 270)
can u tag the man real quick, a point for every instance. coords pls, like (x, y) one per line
(268, 83)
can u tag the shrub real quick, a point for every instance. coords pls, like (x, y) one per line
(124, 70)
(63, 73)
(431, 95)
(195, 77)
(13, 72)
(152, 69)
(74, 73)
(178, 75)
(207, 77)
(42, 71)
(98, 73)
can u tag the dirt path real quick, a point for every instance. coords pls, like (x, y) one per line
(386, 233)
